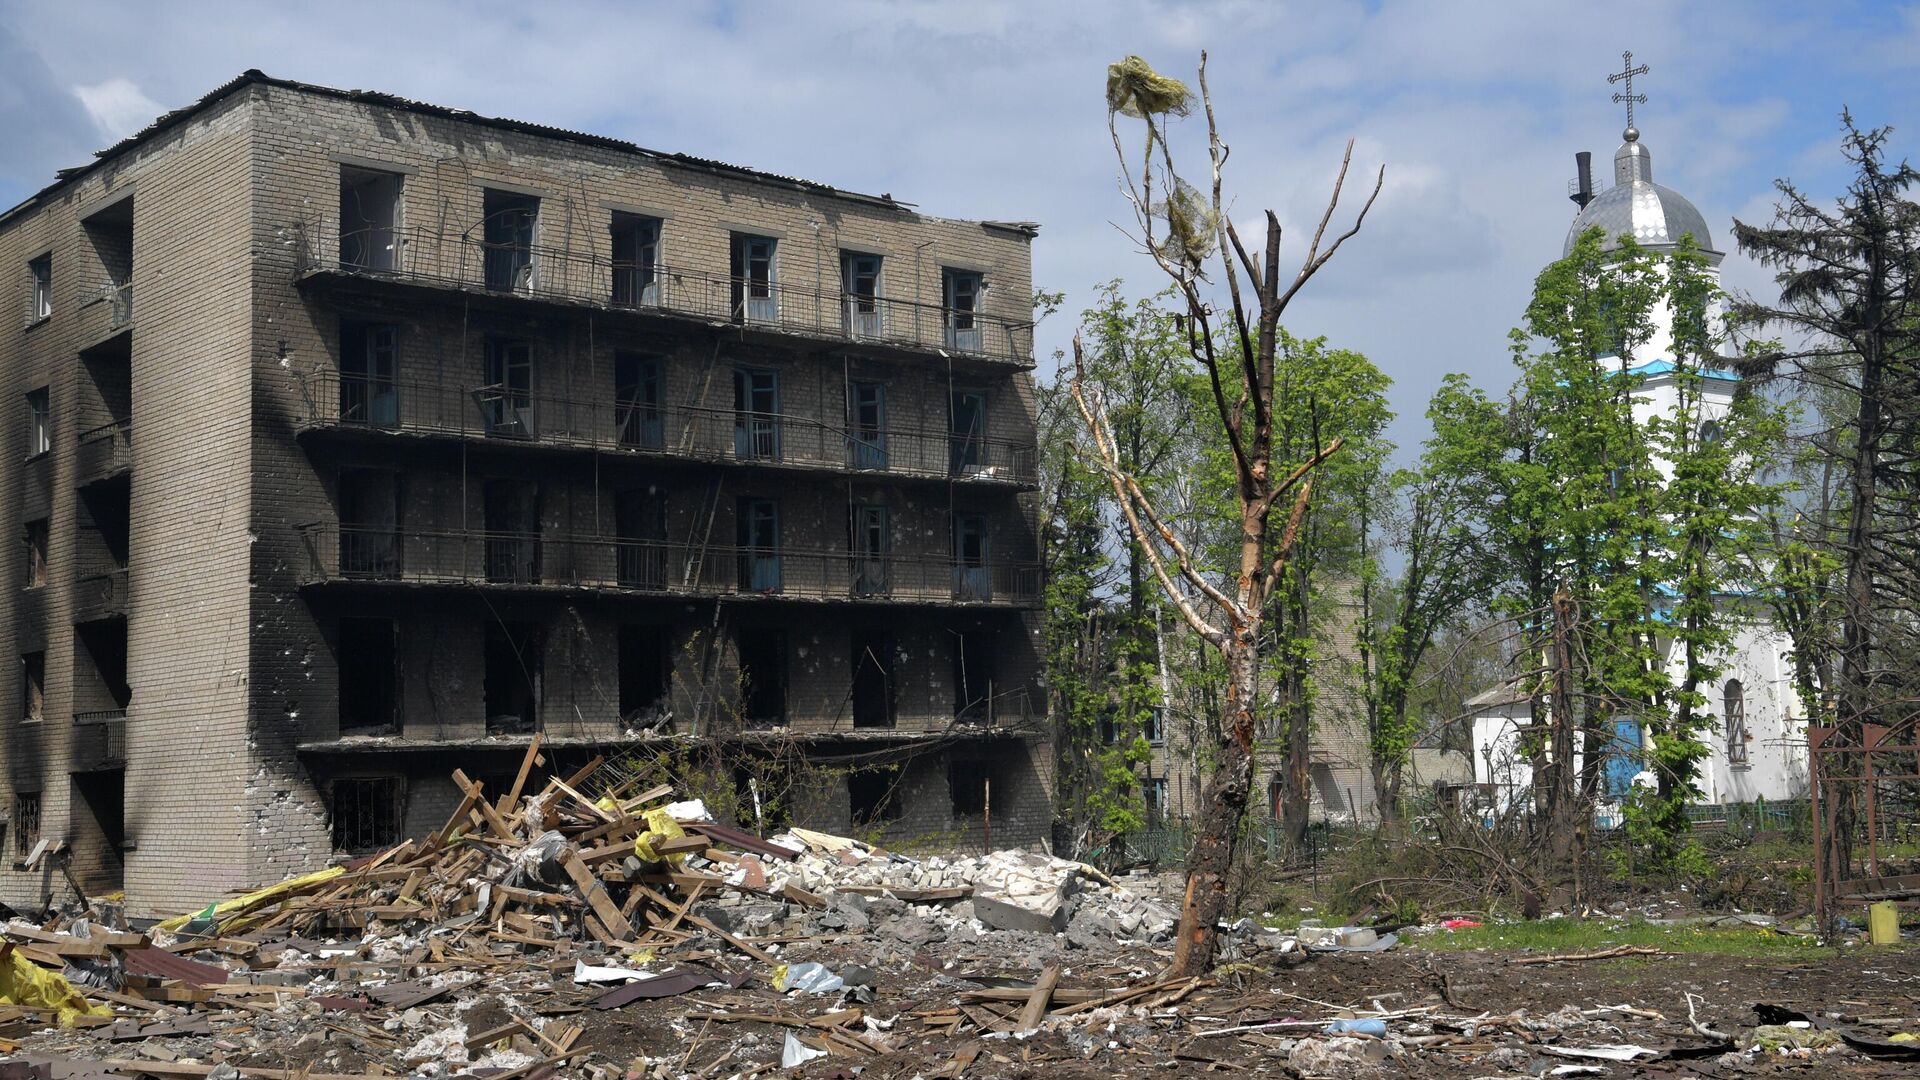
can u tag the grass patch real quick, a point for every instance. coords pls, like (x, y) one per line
(1592, 935)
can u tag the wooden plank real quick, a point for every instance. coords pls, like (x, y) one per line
(595, 894)
(591, 808)
(1041, 998)
(460, 813)
(757, 953)
(512, 798)
(585, 771)
(487, 813)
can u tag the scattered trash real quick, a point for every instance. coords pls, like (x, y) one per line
(794, 1053)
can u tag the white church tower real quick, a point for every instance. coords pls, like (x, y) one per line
(1758, 739)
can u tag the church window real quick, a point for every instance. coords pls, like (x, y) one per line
(1736, 713)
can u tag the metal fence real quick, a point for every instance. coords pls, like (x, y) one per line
(463, 261)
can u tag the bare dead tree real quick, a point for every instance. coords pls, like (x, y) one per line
(1183, 231)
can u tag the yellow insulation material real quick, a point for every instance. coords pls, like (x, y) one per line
(25, 983)
(660, 826)
(258, 898)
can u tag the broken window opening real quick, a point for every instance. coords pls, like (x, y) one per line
(752, 269)
(636, 396)
(506, 401)
(640, 521)
(872, 546)
(873, 795)
(966, 432)
(100, 669)
(962, 289)
(367, 812)
(972, 576)
(1736, 712)
(1153, 792)
(636, 248)
(973, 676)
(756, 414)
(757, 535)
(512, 678)
(98, 822)
(369, 219)
(369, 667)
(873, 697)
(860, 284)
(36, 553)
(867, 425)
(33, 687)
(369, 374)
(40, 302)
(26, 823)
(512, 520)
(39, 421)
(369, 523)
(763, 676)
(507, 240)
(969, 780)
(645, 677)
(1155, 724)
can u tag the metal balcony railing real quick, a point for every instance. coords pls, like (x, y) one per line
(338, 400)
(465, 262)
(104, 452)
(99, 738)
(100, 593)
(104, 311)
(377, 553)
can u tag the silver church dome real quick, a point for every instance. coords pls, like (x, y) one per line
(1654, 216)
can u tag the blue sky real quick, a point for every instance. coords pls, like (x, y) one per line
(993, 109)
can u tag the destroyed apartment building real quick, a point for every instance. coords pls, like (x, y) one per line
(360, 440)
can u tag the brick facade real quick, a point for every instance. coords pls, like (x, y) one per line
(547, 461)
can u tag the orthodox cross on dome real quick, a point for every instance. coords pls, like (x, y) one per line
(1627, 74)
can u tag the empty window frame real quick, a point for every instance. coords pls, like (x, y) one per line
(871, 543)
(512, 677)
(756, 414)
(973, 676)
(1153, 791)
(970, 784)
(966, 431)
(640, 524)
(369, 219)
(39, 421)
(762, 657)
(638, 419)
(757, 536)
(873, 795)
(369, 523)
(873, 697)
(369, 666)
(40, 288)
(636, 251)
(752, 268)
(1735, 705)
(972, 572)
(867, 425)
(26, 823)
(36, 553)
(962, 290)
(506, 400)
(1155, 723)
(507, 234)
(367, 812)
(369, 374)
(645, 676)
(860, 288)
(33, 687)
(511, 513)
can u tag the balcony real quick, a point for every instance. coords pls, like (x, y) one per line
(99, 740)
(337, 554)
(100, 594)
(104, 453)
(465, 263)
(338, 401)
(103, 312)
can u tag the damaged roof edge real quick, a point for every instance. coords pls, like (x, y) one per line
(253, 76)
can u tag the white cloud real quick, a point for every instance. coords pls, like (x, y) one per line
(117, 107)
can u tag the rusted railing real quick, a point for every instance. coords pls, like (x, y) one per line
(373, 553)
(465, 262)
(342, 400)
